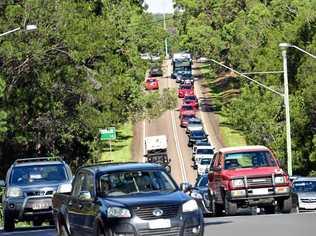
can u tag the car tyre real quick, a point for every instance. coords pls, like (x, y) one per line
(37, 223)
(269, 209)
(230, 207)
(285, 205)
(8, 222)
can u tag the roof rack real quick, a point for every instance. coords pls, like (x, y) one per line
(36, 159)
(108, 162)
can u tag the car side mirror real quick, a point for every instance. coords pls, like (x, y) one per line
(85, 196)
(217, 168)
(185, 187)
(2, 183)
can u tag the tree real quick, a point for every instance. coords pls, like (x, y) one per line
(80, 71)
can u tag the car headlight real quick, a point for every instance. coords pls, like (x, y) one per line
(118, 212)
(190, 206)
(279, 180)
(14, 192)
(64, 188)
(238, 183)
(196, 195)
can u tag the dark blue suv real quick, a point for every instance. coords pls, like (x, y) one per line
(130, 199)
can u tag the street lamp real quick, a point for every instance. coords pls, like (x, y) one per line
(284, 47)
(27, 28)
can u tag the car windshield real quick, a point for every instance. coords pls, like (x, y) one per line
(305, 186)
(133, 182)
(190, 98)
(203, 182)
(204, 151)
(248, 160)
(187, 117)
(186, 87)
(38, 174)
(205, 161)
(197, 133)
(187, 108)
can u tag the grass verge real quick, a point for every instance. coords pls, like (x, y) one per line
(121, 147)
(230, 136)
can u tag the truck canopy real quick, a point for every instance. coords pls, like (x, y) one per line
(155, 143)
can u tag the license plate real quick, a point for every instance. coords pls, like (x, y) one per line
(260, 191)
(159, 224)
(40, 206)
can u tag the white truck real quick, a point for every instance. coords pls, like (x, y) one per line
(156, 150)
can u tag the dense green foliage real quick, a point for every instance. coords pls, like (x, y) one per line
(245, 34)
(79, 72)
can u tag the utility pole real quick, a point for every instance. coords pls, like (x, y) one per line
(287, 112)
(166, 40)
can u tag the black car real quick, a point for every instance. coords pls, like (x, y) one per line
(155, 72)
(197, 135)
(200, 193)
(126, 199)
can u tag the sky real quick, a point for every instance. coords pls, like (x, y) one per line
(160, 6)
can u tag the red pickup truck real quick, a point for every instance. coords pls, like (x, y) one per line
(248, 176)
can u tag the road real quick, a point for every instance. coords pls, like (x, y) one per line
(261, 225)
(169, 125)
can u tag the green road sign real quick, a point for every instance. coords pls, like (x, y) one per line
(108, 133)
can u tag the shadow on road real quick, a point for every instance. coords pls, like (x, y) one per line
(27, 230)
(217, 223)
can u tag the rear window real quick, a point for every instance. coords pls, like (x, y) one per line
(38, 174)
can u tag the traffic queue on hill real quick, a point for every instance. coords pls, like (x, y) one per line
(229, 179)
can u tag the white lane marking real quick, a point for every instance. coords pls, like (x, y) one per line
(180, 156)
(176, 139)
(144, 136)
(210, 138)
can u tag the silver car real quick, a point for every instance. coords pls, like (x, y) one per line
(305, 188)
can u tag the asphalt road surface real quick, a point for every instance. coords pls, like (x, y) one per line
(169, 125)
(260, 225)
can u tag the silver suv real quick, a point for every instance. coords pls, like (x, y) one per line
(29, 188)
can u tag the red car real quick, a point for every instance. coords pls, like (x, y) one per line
(192, 101)
(185, 90)
(248, 176)
(152, 84)
(184, 120)
(187, 110)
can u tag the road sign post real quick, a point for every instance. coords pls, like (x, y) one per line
(108, 134)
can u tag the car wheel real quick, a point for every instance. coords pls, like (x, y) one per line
(230, 207)
(285, 205)
(37, 223)
(8, 222)
(269, 209)
(218, 210)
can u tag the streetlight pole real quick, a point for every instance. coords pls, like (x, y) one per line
(27, 28)
(284, 47)
(166, 40)
(287, 113)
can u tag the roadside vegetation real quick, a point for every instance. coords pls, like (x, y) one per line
(79, 72)
(246, 35)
